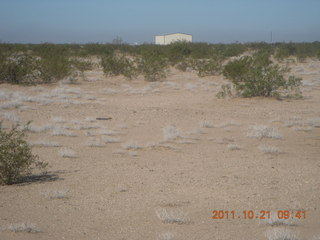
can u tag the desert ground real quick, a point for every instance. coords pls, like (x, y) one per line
(171, 154)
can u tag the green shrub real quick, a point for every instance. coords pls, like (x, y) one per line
(153, 67)
(208, 67)
(24, 68)
(54, 67)
(81, 64)
(226, 90)
(183, 65)
(16, 158)
(258, 76)
(118, 65)
(178, 51)
(18, 68)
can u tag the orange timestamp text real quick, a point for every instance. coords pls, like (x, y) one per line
(262, 214)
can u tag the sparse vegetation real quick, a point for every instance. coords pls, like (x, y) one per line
(45, 63)
(131, 146)
(23, 227)
(67, 153)
(166, 236)
(153, 67)
(18, 68)
(171, 133)
(16, 157)
(172, 216)
(233, 147)
(258, 131)
(206, 124)
(57, 194)
(280, 234)
(115, 65)
(268, 149)
(257, 76)
(45, 143)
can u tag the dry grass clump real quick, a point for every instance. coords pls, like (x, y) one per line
(58, 131)
(295, 121)
(268, 149)
(303, 125)
(57, 194)
(90, 119)
(23, 227)
(131, 146)
(303, 129)
(63, 89)
(10, 116)
(233, 147)
(206, 124)
(315, 122)
(227, 124)
(187, 141)
(106, 132)
(123, 126)
(45, 143)
(280, 234)
(96, 143)
(264, 132)
(107, 139)
(39, 129)
(171, 133)
(133, 154)
(86, 127)
(172, 216)
(59, 119)
(11, 104)
(166, 236)
(67, 153)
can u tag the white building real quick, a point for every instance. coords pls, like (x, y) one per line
(171, 38)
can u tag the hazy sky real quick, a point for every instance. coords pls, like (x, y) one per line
(82, 21)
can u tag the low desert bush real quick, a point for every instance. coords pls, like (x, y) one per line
(114, 65)
(54, 67)
(16, 157)
(204, 67)
(18, 68)
(257, 76)
(178, 51)
(208, 67)
(153, 67)
(25, 68)
(183, 65)
(82, 64)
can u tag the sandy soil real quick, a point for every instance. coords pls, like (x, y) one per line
(171, 154)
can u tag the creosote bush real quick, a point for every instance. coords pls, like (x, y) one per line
(114, 65)
(208, 67)
(16, 157)
(257, 76)
(18, 68)
(153, 67)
